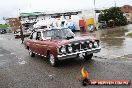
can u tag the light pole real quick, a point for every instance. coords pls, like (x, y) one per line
(115, 2)
(29, 6)
(94, 13)
(19, 12)
(20, 26)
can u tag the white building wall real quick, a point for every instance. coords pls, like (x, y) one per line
(75, 19)
(47, 17)
(40, 18)
(28, 20)
(85, 14)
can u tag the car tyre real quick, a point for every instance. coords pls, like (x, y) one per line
(52, 59)
(88, 57)
(31, 53)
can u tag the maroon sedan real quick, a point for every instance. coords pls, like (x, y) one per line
(59, 44)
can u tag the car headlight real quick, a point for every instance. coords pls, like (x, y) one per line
(90, 45)
(95, 44)
(70, 48)
(82, 42)
(87, 42)
(63, 49)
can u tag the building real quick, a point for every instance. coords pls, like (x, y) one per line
(29, 19)
(127, 10)
(14, 23)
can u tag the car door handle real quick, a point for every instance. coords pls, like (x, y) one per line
(34, 40)
(37, 44)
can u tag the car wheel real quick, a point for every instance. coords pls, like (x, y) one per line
(31, 53)
(88, 57)
(52, 59)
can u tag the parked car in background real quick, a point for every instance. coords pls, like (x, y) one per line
(60, 43)
(102, 24)
(71, 26)
(25, 33)
(3, 30)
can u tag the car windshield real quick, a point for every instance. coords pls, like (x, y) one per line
(64, 33)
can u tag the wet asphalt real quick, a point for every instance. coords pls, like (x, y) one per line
(19, 70)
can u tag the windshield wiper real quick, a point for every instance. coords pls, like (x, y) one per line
(69, 37)
(57, 37)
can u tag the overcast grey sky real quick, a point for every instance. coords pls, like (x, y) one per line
(10, 8)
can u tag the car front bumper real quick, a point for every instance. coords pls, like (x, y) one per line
(75, 54)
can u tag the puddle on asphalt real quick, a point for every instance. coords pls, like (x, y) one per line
(51, 77)
(22, 62)
(114, 42)
(125, 57)
(2, 62)
(1, 55)
(3, 51)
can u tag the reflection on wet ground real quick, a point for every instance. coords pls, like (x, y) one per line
(113, 41)
(19, 70)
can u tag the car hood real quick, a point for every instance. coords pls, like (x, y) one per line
(60, 42)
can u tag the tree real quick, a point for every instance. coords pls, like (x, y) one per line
(113, 17)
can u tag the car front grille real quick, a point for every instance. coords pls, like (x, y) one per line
(84, 46)
(79, 46)
(76, 47)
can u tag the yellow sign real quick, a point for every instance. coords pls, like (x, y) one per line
(90, 21)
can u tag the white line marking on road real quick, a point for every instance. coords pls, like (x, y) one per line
(129, 58)
(22, 62)
(115, 56)
(19, 58)
(1, 55)
(12, 53)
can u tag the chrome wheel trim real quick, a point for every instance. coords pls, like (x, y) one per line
(30, 52)
(52, 59)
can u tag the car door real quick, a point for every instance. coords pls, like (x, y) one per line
(41, 45)
(38, 43)
(33, 41)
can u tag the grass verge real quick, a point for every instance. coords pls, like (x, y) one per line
(3, 26)
(129, 34)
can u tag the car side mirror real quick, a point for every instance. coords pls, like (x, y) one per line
(40, 39)
(48, 38)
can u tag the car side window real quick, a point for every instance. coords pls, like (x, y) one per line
(38, 36)
(34, 35)
(48, 33)
(44, 34)
(31, 36)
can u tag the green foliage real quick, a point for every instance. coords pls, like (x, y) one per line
(113, 17)
(3, 26)
(129, 34)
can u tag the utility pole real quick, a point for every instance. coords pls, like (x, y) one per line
(95, 13)
(20, 26)
(115, 2)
